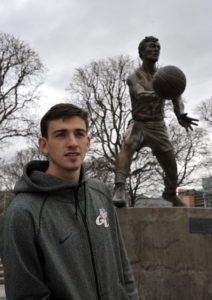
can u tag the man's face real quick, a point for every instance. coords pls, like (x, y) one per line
(151, 51)
(66, 146)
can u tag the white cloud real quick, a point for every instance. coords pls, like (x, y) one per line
(71, 33)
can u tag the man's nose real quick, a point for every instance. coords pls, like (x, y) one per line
(72, 141)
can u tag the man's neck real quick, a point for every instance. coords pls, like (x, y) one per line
(148, 67)
(72, 177)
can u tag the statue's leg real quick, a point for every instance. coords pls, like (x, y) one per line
(123, 162)
(122, 170)
(168, 163)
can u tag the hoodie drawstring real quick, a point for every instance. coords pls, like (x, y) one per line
(76, 199)
(85, 200)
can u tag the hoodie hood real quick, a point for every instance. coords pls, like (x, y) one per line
(35, 180)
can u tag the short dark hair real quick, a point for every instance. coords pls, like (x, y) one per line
(62, 111)
(142, 45)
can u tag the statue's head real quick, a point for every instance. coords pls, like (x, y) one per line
(143, 43)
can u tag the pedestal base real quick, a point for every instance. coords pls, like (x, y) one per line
(171, 258)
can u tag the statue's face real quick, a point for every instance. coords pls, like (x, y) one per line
(151, 51)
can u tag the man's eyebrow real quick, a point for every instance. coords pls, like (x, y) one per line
(59, 130)
(81, 129)
(65, 130)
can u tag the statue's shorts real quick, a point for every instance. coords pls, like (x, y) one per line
(152, 134)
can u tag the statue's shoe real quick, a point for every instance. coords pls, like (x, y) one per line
(119, 196)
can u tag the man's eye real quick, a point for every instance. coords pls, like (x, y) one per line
(80, 134)
(60, 134)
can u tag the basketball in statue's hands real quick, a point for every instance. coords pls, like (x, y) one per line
(169, 82)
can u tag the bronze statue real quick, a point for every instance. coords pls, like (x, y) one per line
(147, 128)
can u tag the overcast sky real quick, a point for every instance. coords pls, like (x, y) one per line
(70, 33)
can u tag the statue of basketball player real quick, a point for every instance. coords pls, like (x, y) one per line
(147, 127)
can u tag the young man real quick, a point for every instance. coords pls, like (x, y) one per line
(148, 128)
(62, 239)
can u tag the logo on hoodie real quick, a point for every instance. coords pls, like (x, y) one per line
(102, 218)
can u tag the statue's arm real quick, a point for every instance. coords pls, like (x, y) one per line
(178, 106)
(183, 119)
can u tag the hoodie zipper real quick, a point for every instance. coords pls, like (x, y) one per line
(90, 244)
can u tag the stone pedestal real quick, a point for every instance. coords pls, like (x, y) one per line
(170, 255)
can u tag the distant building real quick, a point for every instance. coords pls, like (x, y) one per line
(198, 198)
(207, 188)
(192, 197)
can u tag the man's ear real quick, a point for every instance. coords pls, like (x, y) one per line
(88, 142)
(43, 145)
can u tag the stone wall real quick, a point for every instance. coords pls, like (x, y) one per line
(170, 255)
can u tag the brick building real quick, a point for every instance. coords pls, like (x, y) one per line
(191, 197)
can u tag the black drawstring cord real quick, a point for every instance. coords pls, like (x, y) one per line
(85, 201)
(76, 199)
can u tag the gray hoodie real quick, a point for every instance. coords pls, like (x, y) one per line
(62, 241)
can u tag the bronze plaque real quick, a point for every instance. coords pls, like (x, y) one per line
(200, 225)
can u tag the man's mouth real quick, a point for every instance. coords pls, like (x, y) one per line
(72, 154)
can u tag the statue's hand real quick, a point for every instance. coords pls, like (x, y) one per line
(186, 122)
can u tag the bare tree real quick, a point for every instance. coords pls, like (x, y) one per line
(143, 178)
(191, 151)
(20, 71)
(101, 88)
(12, 171)
(204, 110)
